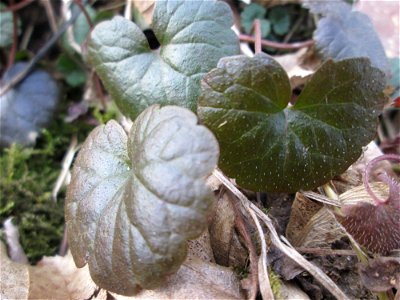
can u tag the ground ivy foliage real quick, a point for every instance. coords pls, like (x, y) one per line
(134, 200)
(269, 145)
(193, 36)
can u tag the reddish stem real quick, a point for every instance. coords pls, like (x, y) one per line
(383, 177)
(83, 9)
(13, 51)
(277, 45)
(100, 91)
(18, 6)
(257, 36)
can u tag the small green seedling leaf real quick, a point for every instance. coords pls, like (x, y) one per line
(280, 20)
(28, 107)
(6, 25)
(269, 145)
(72, 71)
(80, 29)
(134, 201)
(342, 33)
(193, 36)
(252, 12)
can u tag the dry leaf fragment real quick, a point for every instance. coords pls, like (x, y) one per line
(381, 275)
(195, 279)
(57, 277)
(302, 211)
(145, 8)
(14, 277)
(222, 228)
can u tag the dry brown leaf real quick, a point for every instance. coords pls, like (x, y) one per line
(201, 247)
(14, 277)
(303, 209)
(222, 228)
(145, 8)
(225, 242)
(195, 279)
(58, 278)
(321, 231)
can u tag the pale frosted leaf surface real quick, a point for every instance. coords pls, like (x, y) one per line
(342, 33)
(26, 108)
(193, 36)
(135, 200)
(269, 145)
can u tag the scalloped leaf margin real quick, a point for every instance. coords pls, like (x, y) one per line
(193, 36)
(135, 200)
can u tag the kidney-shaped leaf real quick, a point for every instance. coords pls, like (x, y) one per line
(269, 145)
(135, 200)
(342, 33)
(193, 36)
(26, 108)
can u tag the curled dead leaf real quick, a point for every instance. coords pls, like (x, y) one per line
(196, 279)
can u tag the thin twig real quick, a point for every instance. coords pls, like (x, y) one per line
(321, 198)
(128, 10)
(287, 250)
(66, 164)
(42, 52)
(277, 45)
(18, 6)
(263, 278)
(84, 11)
(99, 90)
(64, 243)
(50, 15)
(326, 251)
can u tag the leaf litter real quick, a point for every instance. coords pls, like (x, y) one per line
(201, 277)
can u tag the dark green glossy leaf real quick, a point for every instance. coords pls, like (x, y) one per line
(135, 200)
(280, 20)
(193, 35)
(342, 33)
(269, 145)
(72, 71)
